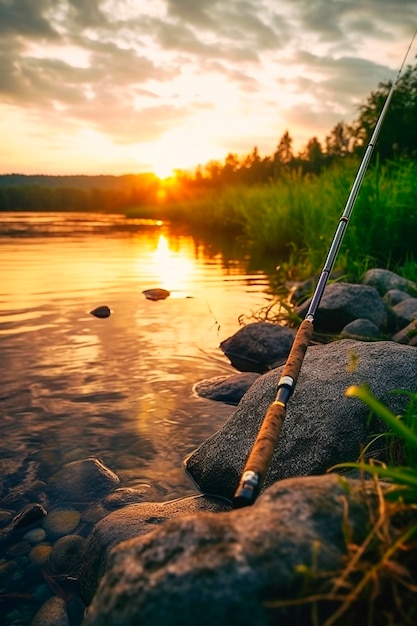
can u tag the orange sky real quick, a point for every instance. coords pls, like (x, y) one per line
(126, 86)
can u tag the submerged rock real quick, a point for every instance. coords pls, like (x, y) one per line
(126, 495)
(65, 556)
(29, 515)
(84, 481)
(61, 521)
(52, 613)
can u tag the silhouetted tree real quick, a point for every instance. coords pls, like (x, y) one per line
(284, 153)
(312, 156)
(341, 141)
(398, 135)
(230, 168)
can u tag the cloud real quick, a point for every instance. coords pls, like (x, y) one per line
(27, 18)
(133, 69)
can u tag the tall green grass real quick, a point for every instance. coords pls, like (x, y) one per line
(293, 219)
(296, 217)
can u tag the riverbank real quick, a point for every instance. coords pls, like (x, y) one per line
(315, 548)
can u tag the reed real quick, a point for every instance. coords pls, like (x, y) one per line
(293, 218)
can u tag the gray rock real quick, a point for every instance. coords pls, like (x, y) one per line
(223, 568)
(132, 521)
(384, 280)
(84, 481)
(394, 296)
(342, 303)
(407, 335)
(258, 347)
(228, 389)
(322, 426)
(406, 311)
(360, 328)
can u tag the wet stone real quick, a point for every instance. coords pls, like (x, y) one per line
(61, 522)
(40, 554)
(7, 569)
(21, 548)
(5, 517)
(36, 535)
(52, 613)
(101, 312)
(156, 294)
(93, 513)
(84, 481)
(29, 515)
(126, 495)
(65, 556)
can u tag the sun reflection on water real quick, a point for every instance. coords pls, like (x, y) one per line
(174, 271)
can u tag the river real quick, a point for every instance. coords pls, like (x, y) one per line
(121, 388)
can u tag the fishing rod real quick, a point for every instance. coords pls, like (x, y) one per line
(260, 456)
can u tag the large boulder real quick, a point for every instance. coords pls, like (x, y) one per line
(322, 426)
(133, 521)
(229, 568)
(384, 280)
(342, 303)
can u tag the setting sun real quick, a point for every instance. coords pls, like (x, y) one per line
(183, 148)
(174, 85)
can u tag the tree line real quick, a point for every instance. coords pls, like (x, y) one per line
(398, 138)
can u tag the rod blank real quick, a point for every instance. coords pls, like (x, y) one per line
(263, 448)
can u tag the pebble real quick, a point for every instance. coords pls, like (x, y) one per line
(18, 549)
(61, 522)
(7, 569)
(65, 556)
(52, 613)
(40, 554)
(35, 535)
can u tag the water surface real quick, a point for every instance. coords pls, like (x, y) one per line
(120, 388)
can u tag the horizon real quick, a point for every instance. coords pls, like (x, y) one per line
(115, 88)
